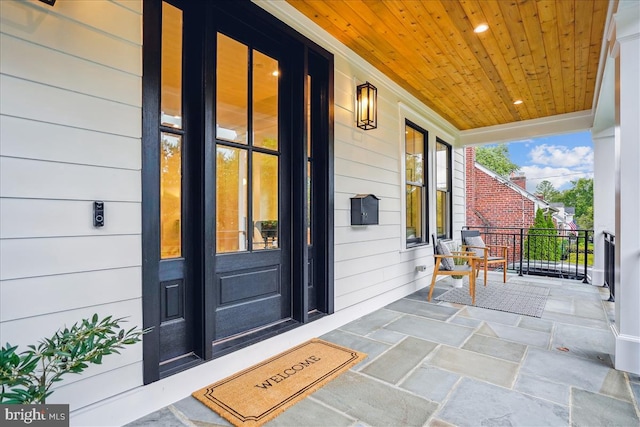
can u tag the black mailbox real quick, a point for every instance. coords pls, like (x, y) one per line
(364, 209)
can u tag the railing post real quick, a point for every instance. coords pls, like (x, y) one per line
(609, 264)
(521, 248)
(586, 252)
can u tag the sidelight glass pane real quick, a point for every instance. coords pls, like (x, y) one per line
(265, 201)
(170, 196)
(265, 101)
(171, 75)
(309, 163)
(414, 143)
(231, 200)
(414, 213)
(309, 202)
(232, 79)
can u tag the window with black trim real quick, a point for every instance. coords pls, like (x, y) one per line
(443, 189)
(415, 144)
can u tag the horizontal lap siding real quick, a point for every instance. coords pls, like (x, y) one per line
(70, 132)
(371, 260)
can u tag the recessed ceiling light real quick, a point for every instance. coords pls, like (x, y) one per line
(481, 28)
(517, 102)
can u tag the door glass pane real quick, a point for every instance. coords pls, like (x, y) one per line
(309, 162)
(309, 207)
(170, 196)
(265, 201)
(171, 76)
(414, 212)
(231, 199)
(265, 101)
(231, 90)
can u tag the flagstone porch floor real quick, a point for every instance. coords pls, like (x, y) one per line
(440, 364)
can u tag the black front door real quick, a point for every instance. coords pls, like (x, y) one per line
(237, 180)
(252, 283)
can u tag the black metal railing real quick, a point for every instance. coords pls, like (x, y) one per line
(544, 252)
(610, 263)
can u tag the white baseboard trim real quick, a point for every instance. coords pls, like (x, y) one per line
(627, 356)
(597, 276)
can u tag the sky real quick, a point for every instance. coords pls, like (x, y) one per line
(558, 159)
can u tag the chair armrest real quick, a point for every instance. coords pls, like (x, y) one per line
(484, 248)
(502, 248)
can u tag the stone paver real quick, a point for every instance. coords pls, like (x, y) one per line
(565, 369)
(544, 389)
(422, 308)
(584, 342)
(371, 322)
(535, 324)
(430, 382)
(592, 409)
(475, 365)
(394, 364)
(310, 412)
(375, 403)
(365, 345)
(474, 403)
(495, 347)
(195, 411)
(515, 334)
(491, 315)
(165, 417)
(431, 330)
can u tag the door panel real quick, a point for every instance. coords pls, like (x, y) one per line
(252, 284)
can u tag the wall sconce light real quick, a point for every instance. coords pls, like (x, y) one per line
(367, 106)
(49, 2)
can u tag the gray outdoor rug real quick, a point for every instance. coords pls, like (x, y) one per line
(519, 299)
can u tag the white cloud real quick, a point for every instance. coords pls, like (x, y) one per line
(580, 158)
(559, 177)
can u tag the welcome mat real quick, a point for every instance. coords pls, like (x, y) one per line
(261, 392)
(518, 299)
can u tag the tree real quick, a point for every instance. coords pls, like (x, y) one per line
(580, 196)
(497, 159)
(541, 242)
(547, 190)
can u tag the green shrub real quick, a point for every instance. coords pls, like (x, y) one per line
(27, 377)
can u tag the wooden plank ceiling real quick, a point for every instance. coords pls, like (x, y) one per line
(543, 52)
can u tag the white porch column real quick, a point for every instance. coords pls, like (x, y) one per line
(627, 198)
(603, 198)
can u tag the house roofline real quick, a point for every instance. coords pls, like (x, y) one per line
(515, 187)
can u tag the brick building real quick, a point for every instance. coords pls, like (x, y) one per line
(494, 201)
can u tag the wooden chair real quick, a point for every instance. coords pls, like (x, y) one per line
(471, 239)
(441, 252)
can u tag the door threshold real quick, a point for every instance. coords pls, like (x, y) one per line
(236, 342)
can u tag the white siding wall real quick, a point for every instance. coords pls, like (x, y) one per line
(373, 260)
(70, 129)
(70, 117)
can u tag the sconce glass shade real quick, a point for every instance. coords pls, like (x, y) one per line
(367, 106)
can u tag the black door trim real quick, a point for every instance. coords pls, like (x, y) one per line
(199, 89)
